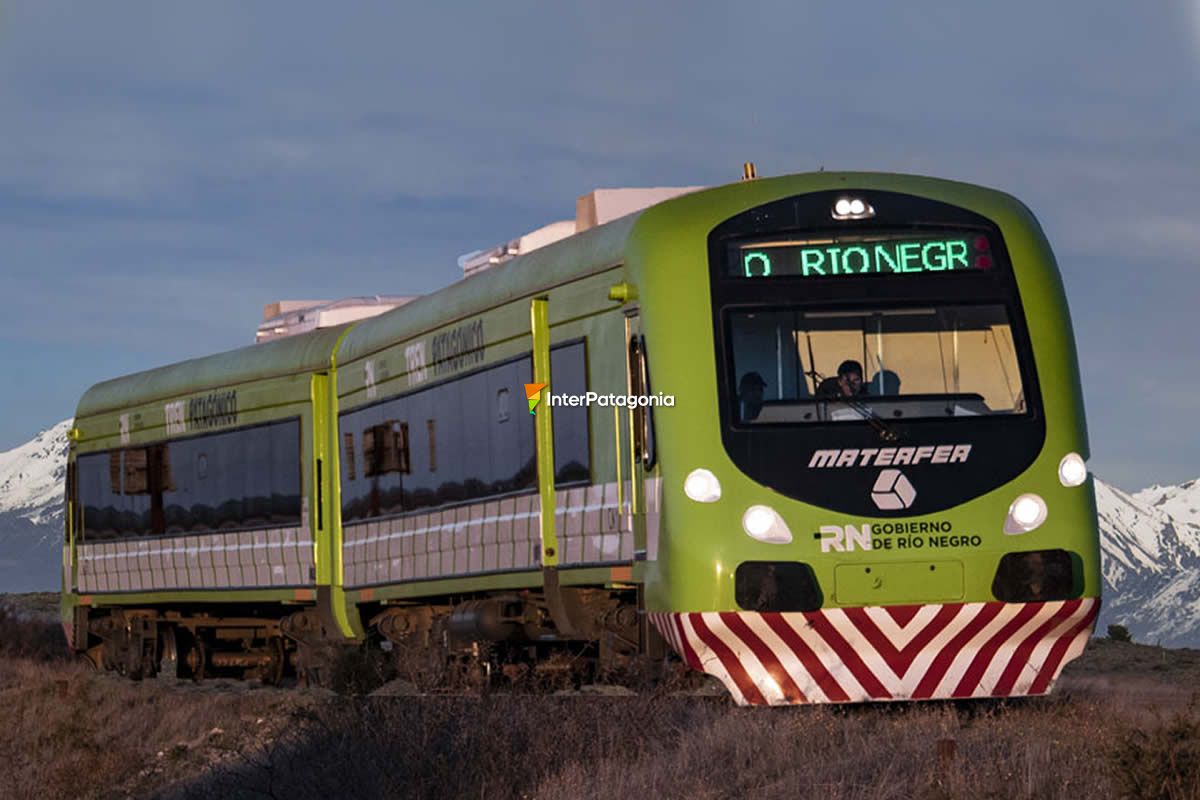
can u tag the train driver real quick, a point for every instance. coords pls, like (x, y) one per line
(848, 383)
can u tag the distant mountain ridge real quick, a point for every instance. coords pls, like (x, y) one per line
(1150, 542)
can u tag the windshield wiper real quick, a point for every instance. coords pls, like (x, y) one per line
(880, 427)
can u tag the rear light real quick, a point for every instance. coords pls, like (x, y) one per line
(776, 586)
(1036, 576)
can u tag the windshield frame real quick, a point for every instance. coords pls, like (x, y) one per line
(792, 458)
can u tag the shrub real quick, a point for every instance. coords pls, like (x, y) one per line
(1119, 633)
(1163, 762)
(23, 636)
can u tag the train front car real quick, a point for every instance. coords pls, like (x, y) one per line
(874, 480)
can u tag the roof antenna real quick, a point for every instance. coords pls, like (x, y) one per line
(749, 173)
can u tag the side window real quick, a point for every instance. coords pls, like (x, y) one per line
(476, 421)
(568, 375)
(116, 484)
(243, 478)
(431, 437)
(234, 479)
(385, 448)
(461, 440)
(513, 464)
(72, 500)
(502, 406)
(400, 447)
(348, 456)
(97, 494)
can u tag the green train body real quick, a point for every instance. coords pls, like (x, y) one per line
(796, 544)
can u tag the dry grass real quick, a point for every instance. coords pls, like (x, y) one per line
(506, 746)
(1120, 727)
(33, 635)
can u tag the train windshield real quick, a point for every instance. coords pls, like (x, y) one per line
(798, 366)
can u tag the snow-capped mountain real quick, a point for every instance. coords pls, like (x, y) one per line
(31, 476)
(1150, 558)
(31, 510)
(1181, 502)
(1150, 542)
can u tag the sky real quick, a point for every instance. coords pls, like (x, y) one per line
(168, 169)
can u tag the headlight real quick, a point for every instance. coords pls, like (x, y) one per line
(1026, 513)
(1071, 470)
(702, 486)
(765, 525)
(852, 208)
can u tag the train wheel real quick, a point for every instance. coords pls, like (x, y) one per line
(271, 674)
(168, 654)
(197, 659)
(92, 658)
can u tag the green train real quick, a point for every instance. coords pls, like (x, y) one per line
(820, 436)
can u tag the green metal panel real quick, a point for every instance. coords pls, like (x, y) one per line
(574, 309)
(289, 596)
(291, 355)
(501, 581)
(876, 584)
(556, 265)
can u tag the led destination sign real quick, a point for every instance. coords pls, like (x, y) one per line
(820, 258)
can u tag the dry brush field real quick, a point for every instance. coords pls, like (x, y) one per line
(1124, 723)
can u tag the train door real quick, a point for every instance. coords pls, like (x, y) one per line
(637, 454)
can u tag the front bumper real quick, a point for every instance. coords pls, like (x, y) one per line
(873, 653)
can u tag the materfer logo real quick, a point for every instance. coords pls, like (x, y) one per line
(890, 456)
(893, 491)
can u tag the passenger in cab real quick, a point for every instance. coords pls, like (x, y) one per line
(885, 382)
(751, 389)
(848, 383)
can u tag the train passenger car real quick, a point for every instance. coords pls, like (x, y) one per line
(820, 434)
(194, 513)
(472, 510)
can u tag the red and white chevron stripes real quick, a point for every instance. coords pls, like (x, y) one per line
(845, 655)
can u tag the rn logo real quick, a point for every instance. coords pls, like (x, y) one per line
(893, 491)
(844, 538)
